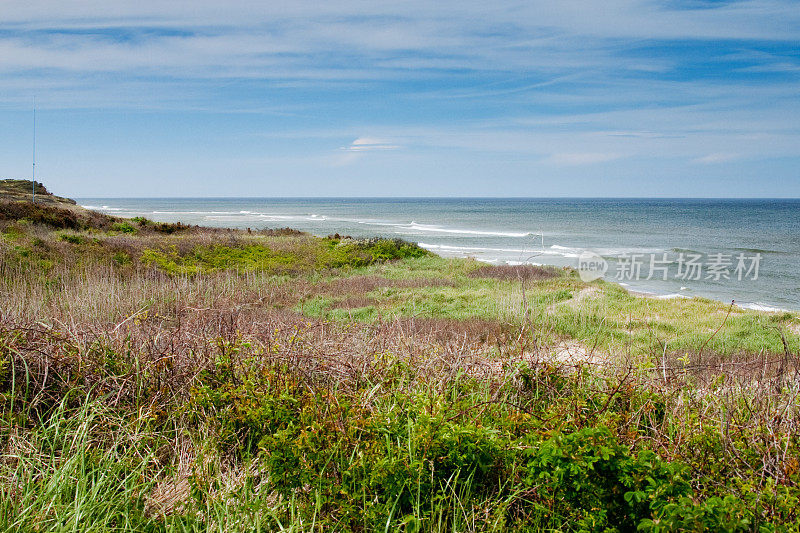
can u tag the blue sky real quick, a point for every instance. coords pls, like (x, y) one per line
(675, 98)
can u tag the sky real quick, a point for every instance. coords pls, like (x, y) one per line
(642, 98)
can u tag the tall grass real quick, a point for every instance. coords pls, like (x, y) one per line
(79, 467)
(134, 400)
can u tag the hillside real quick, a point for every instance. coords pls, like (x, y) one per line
(164, 377)
(20, 191)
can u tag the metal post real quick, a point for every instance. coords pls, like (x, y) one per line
(33, 169)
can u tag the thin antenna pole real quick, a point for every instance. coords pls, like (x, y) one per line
(33, 166)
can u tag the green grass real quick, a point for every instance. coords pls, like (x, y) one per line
(212, 258)
(608, 317)
(88, 473)
(20, 190)
(305, 254)
(681, 324)
(272, 451)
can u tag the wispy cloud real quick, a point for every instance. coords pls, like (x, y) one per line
(352, 39)
(718, 157)
(556, 84)
(361, 146)
(586, 158)
(370, 144)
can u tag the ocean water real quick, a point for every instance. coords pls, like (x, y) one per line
(742, 250)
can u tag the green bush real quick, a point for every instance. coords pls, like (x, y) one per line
(305, 256)
(121, 258)
(212, 258)
(123, 227)
(364, 252)
(160, 227)
(589, 478)
(714, 514)
(72, 238)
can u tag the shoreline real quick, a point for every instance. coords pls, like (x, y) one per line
(644, 293)
(225, 359)
(747, 306)
(555, 255)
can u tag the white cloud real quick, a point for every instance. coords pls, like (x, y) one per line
(565, 82)
(369, 144)
(718, 157)
(358, 39)
(357, 149)
(395, 24)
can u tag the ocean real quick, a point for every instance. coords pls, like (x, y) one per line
(742, 250)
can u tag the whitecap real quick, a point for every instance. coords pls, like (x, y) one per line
(101, 208)
(521, 263)
(196, 213)
(762, 307)
(450, 248)
(438, 229)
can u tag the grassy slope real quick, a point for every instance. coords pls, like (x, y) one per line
(599, 314)
(21, 190)
(162, 377)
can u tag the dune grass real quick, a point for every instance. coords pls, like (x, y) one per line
(191, 379)
(598, 314)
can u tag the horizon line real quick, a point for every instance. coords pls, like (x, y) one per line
(437, 197)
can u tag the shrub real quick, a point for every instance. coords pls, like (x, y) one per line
(402, 460)
(55, 217)
(589, 478)
(72, 238)
(220, 257)
(121, 258)
(123, 227)
(364, 252)
(714, 514)
(160, 227)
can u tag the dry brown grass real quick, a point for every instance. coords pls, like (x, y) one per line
(165, 348)
(141, 338)
(351, 292)
(515, 272)
(478, 330)
(165, 353)
(364, 284)
(170, 328)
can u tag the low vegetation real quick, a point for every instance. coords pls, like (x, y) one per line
(171, 378)
(23, 191)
